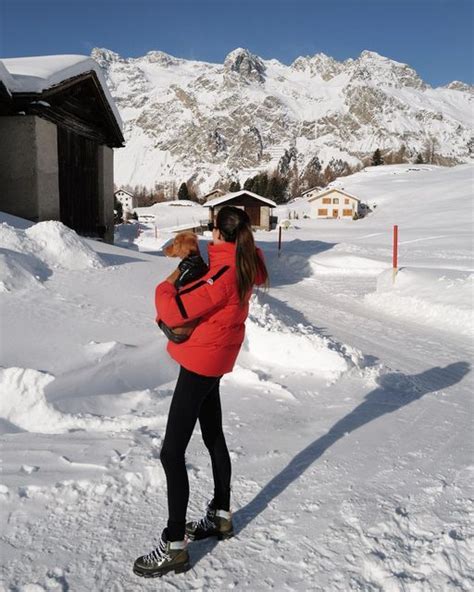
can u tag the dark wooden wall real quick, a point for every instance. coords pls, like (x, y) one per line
(78, 182)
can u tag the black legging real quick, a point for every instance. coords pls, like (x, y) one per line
(194, 397)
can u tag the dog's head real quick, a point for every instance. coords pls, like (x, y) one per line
(183, 245)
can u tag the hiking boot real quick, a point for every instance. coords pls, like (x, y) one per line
(168, 556)
(216, 523)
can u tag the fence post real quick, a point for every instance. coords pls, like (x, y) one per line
(395, 251)
(279, 240)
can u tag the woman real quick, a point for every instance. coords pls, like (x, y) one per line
(220, 301)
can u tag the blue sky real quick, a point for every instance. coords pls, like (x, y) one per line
(433, 36)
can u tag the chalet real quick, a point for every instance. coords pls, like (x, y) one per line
(335, 203)
(58, 128)
(257, 207)
(213, 194)
(128, 200)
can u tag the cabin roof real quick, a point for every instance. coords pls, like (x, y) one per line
(329, 190)
(234, 194)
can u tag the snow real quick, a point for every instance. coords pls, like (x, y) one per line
(39, 73)
(30, 255)
(442, 299)
(223, 198)
(348, 415)
(6, 78)
(322, 108)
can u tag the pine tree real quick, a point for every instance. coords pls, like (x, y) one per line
(377, 158)
(276, 188)
(119, 209)
(249, 183)
(328, 175)
(419, 159)
(183, 191)
(294, 181)
(261, 184)
(235, 186)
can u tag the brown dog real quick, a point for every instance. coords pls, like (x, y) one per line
(183, 245)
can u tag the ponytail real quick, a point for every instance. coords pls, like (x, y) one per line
(234, 225)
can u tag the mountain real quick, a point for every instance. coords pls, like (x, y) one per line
(190, 120)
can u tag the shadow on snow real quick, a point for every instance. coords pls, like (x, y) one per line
(394, 391)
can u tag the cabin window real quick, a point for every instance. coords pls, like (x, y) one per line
(347, 212)
(346, 201)
(322, 212)
(335, 200)
(326, 200)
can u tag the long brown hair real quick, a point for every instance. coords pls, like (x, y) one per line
(235, 227)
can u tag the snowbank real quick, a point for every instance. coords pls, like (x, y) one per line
(24, 405)
(346, 264)
(29, 255)
(443, 299)
(59, 246)
(296, 348)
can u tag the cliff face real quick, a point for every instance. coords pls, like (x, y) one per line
(194, 120)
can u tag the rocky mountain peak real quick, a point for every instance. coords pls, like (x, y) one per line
(318, 65)
(371, 66)
(462, 86)
(162, 58)
(247, 66)
(105, 57)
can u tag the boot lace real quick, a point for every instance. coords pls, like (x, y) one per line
(158, 555)
(205, 523)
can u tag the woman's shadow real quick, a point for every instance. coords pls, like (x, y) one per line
(393, 392)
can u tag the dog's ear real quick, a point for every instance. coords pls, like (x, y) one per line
(190, 242)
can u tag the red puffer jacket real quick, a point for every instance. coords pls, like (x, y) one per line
(215, 343)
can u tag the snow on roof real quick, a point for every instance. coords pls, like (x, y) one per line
(329, 189)
(124, 191)
(39, 73)
(311, 189)
(232, 195)
(215, 191)
(6, 78)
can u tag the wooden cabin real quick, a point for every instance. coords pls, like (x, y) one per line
(58, 128)
(258, 208)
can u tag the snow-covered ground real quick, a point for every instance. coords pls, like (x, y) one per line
(348, 416)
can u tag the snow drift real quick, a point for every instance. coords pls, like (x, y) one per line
(29, 255)
(295, 347)
(432, 296)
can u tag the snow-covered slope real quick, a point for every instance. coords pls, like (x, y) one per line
(194, 120)
(348, 415)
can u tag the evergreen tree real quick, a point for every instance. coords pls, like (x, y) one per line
(260, 184)
(419, 159)
(377, 158)
(119, 209)
(248, 185)
(183, 191)
(276, 188)
(328, 175)
(294, 181)
(235, 186)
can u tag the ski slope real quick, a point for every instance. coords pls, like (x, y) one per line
(348, 415)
